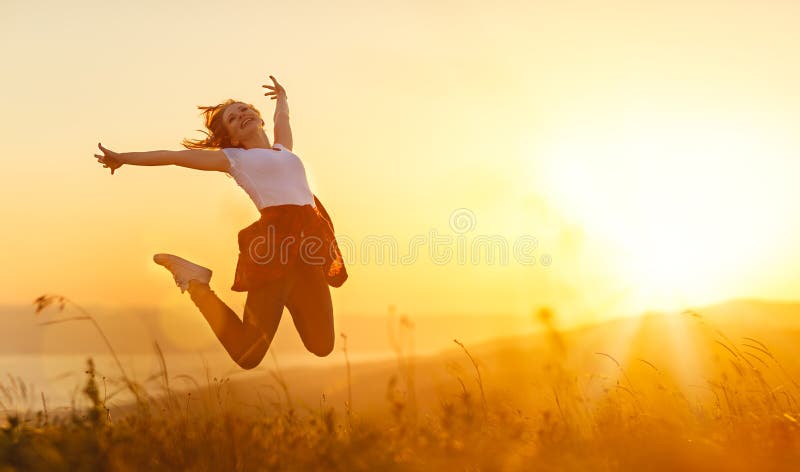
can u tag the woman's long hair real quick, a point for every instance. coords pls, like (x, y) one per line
(217, 136)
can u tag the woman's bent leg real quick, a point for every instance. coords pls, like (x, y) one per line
(245, 341)
(309, 303)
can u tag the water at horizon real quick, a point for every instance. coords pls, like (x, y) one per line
(61, 378)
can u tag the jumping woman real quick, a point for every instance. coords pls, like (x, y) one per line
(288, 257)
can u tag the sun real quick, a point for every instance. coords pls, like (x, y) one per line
(677, 203)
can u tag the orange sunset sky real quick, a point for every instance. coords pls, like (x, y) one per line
(650, 147)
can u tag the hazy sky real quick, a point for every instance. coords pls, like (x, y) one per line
(650, 147)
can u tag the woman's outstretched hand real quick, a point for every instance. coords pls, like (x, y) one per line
(275, 89)
(112, 160)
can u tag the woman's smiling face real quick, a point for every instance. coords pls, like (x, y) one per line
(241, 120)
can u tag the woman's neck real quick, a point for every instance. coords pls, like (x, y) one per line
(258, 140)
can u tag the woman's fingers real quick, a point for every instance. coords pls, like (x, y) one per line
(274, 89)
(274, 83)
(106, 152)
(107, 159)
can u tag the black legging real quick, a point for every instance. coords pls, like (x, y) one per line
(304, 291)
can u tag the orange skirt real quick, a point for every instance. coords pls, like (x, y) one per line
(284, 236)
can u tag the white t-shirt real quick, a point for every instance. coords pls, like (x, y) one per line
(270, 176)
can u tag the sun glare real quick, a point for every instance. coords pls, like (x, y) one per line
(681, 205)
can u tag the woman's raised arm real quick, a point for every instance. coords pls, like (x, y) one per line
(283, 130)
(199, 159)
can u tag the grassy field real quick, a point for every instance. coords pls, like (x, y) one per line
(658, 392)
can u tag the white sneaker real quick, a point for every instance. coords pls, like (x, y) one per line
(182, 270)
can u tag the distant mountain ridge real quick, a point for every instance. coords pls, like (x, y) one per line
(135, 330)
